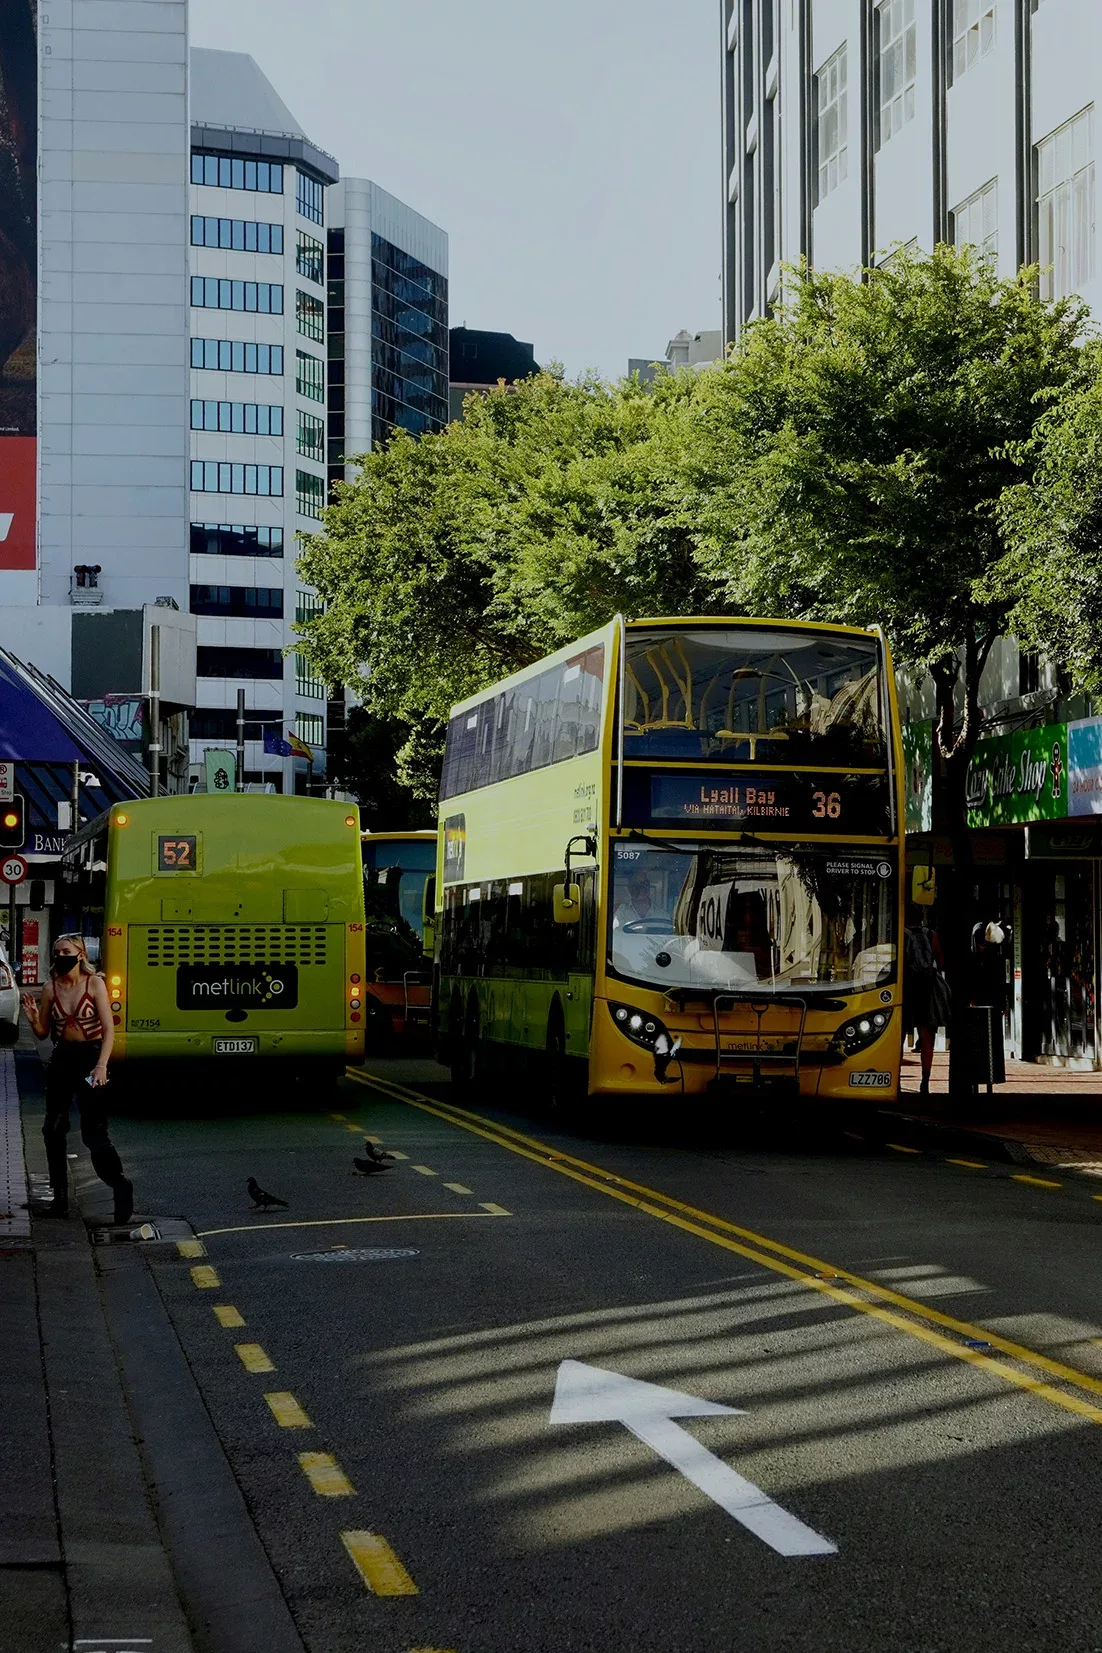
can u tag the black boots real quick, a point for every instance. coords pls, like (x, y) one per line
(124, 1200)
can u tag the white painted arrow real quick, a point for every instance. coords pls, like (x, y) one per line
(589, 1394)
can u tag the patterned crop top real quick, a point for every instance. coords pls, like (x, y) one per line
(85, 1017)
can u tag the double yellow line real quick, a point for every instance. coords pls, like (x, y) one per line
(903, 1314)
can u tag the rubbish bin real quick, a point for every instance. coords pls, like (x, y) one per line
(986, 1065)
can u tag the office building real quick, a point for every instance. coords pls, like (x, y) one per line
(480, 360)
(256, 227)
(852, 127)
(388, 322)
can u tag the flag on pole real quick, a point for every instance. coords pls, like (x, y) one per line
(275, 745)
(298, 748)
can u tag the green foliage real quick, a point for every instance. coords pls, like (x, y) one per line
(1054, 526)
(847, 463)
(865, 436)
(363, 761)
(457, 558)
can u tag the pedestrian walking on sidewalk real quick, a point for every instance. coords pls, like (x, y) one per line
(73, 1009)
(925, 990)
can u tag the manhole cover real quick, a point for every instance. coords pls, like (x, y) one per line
(363, 1254)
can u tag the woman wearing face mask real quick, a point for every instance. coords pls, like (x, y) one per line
(73, 1009)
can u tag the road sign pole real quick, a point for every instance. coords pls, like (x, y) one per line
(15, 952)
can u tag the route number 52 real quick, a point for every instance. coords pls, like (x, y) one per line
(828, 805)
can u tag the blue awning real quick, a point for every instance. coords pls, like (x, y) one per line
(41, 724)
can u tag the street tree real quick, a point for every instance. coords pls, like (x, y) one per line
(865, 436)
(1053, 524)
(457, 558)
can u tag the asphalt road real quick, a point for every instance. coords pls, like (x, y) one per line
(910, 1346)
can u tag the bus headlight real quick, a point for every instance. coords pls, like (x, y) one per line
(638, 1025)
(858, 1034)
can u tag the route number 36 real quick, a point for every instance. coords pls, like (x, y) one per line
(828, 805)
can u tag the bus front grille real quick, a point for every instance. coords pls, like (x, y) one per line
(173, 944)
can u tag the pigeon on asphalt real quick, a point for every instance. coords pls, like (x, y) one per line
(261, 1200)
(376, 1153)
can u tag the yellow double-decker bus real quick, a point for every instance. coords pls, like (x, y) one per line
(232, 928)
(670, 858)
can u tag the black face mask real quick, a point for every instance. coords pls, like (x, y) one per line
(64, 962)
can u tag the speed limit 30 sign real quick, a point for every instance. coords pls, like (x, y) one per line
(13, 869)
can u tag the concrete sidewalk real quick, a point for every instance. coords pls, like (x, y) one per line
(1052, 1116)
(81, 1556)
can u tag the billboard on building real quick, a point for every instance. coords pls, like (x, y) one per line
(1019, 777)
(18, 281)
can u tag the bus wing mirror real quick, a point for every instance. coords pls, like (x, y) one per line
(568, 903)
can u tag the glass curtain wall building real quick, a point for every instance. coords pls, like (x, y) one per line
(388, 322)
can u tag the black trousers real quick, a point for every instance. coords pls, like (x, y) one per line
(66, 1083)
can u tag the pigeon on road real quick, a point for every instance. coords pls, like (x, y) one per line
(261, 1200)
(365, 1167)
(376, 1153)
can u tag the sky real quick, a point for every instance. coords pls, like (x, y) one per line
(572, 150)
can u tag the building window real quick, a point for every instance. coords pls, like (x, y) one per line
(311, 437)
(230, 539)
(310, 258)
(975, 223)
(310, 313)
(1065, 206)
(310, 199)
(241, 662)
(211, 476)
(239, 235)
(310, 727)
(309, 376)
(897, 65)
(230, 172)
(220, 723)
(307, 682)
(308, 605)
(241, 418)
(831, 124)
(246, 602)
(309, 493)
(212, 293)
(233, 356)
(973, 33)
(1029, 671)
(409, 327)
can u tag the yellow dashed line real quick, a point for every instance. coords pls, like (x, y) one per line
(204, 1276)
(969, 1164)
(325, 1475)
(340, 1117)
(253, 1358)
(287, 1412)
(900, 1148)
(191, 1248)
(394, 1154)
(227, 1315)
(425, 1170)
(494, 1210)
(1035, 1182)
(457, 1188)
(378, 1565)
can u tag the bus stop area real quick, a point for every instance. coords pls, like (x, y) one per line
(1047, 1115)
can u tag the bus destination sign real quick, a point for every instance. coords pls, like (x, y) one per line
(785, 802)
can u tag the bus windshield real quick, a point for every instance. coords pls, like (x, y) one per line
(753, 918)
(737, 694)
(396, 871)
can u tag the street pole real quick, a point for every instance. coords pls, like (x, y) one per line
(155, 710)
(74, 806)
(241, 740)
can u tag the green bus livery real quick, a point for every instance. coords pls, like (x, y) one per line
(231, 926)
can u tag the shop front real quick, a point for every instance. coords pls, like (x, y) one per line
(1035, 815)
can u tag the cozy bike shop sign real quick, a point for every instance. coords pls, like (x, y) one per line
(1019, 777)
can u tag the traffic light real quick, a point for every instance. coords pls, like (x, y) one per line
(13, 825)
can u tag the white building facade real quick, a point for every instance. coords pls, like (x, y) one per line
(257, 410)
(852, 127)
